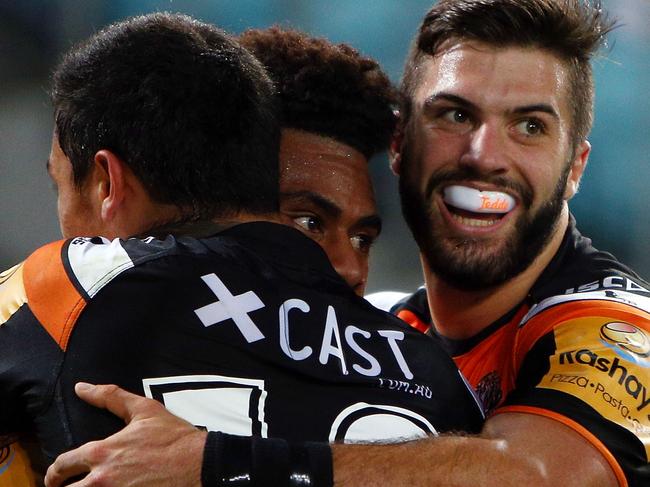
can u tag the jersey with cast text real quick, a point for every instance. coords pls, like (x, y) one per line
(576, 350)
(250, 332)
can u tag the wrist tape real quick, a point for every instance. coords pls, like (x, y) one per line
(245, 461)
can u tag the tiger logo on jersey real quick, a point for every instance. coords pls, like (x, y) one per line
(627, 337)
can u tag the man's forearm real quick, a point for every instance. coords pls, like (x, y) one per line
(450, 461)
(513, 450)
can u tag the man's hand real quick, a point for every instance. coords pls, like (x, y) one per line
(155, 449)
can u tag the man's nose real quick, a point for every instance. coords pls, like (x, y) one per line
(350, 265)
(486, 149)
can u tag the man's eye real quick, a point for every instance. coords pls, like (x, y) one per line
(456, 115)
(530, 127)
(362, 242)
(454, 120)
(309, 223)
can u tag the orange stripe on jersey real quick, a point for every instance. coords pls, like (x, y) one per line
(548, 319)
(52, 297)
(582, 431)
(412, 319)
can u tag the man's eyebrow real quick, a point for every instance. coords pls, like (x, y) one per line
(455, 99)
(465, 103)
(371, 221)
(332, 209)
(328, 206)
(539, 107)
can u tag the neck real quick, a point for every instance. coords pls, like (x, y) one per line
(460, 314)
(203, 228)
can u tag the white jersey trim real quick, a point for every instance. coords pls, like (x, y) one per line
(617, 296)
(385, 300)
(95, 265)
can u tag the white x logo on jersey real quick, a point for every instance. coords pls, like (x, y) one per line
(231, 307)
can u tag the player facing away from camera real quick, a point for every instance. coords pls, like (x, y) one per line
(234, 322)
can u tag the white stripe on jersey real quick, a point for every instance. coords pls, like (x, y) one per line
(95, 265)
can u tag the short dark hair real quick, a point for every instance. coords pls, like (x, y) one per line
(188, 109)
(573, 30)
(328, 89)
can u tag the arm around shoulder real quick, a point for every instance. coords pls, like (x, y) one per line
(514, 449)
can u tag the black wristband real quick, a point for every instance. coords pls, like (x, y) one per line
(238, 461)
(311, 465)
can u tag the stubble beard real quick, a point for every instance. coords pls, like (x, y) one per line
(476, 264)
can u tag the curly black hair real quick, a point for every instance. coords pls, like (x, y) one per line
(328, 89)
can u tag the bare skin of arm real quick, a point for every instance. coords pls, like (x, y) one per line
(513, 450)
(157, 448)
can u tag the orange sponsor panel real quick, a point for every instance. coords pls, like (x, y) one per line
(604, 372)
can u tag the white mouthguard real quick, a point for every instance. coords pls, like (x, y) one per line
(470, 199)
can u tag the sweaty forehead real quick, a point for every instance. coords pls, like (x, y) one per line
(324, 166)
(311, 159)
(490, 76)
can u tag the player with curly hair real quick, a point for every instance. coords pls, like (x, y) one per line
(337, 111)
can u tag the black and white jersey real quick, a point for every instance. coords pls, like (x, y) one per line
(249, 331)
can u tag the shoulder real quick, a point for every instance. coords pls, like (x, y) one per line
(42, 274)
(587, 354)
(605, 291)
(42, 284)
(91, 263)
(612, 301)
(58, 279)
(84, 265)
(579, 268)
(581, 281)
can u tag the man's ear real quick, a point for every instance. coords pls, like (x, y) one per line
(111, 183)
(395, 149)
(578, 166)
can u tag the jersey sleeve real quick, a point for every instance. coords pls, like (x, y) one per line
(12, 299)
(15, 467)
(586, 363)
(38, 307)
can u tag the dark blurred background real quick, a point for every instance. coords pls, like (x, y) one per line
(612, 207)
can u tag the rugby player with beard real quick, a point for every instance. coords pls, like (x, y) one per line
(553, 333)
